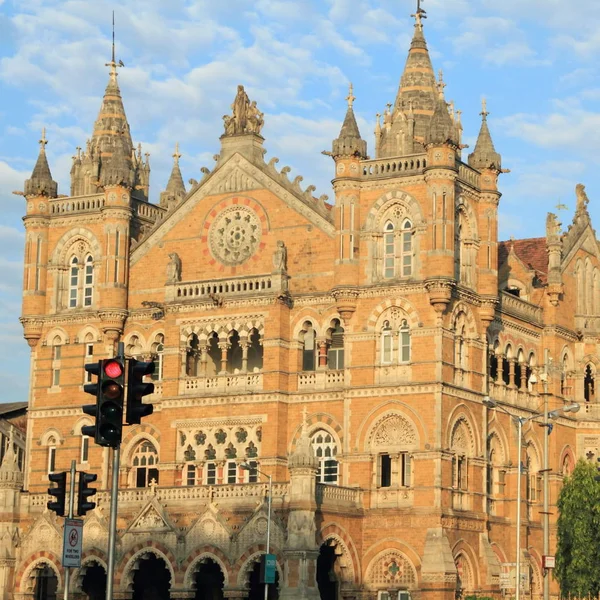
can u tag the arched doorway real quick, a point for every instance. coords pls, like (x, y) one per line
(46, 583)
(152, 580)
(327, 580)
(93, 583)
(209, 581)
(256, 588)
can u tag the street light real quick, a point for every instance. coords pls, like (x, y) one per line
(248, 467)
(520, 421)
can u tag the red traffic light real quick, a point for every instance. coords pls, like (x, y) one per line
(113, 368)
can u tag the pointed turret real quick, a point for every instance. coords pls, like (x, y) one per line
(485, 156)
(349, 142)
(441, 129)
(175, 190)
(41, 183)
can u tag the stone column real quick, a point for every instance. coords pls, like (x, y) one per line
(523, 377)
(500, 370)
(203, 359)
(512, 384)
(244, 344)
(322, 357)
(223, 347)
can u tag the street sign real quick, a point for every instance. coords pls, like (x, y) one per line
(72, 543)
(548, 562)
(270, 568)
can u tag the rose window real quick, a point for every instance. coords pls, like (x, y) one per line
(235, 235)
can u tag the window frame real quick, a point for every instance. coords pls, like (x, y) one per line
(73, 282)
(326, 452)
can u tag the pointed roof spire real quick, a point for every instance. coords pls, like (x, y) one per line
(349, 142)
(485, 156)
(175, 190)
(41, 183)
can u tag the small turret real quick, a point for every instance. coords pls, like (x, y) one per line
(349, 142)
(41, 183)
(442, 129)
(175, 190)
(485, 156)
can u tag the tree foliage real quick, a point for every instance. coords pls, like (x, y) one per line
(578, 548)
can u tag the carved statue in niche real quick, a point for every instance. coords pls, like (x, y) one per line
(174, 268)
(582, 199)
(280, 258)
(552, 225)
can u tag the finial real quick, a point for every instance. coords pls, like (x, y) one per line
(419, 16)
(139, 150)
(350, 97)
(441, 85)
(43, 141)
(113, 62)
(484, 113)
(176, 156)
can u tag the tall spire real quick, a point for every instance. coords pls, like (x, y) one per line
(441, 127)
(485, 156)
(175, 190)
(349, 142)
(417, 94)
(41, 183)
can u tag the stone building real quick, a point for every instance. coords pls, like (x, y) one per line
(344, 347)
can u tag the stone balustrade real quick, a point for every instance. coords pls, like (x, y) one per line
(233, 286)
(514, 396)
(333, 496)
(147, 210)
(468, 175)
(517, 307)
(394, 167)
(221, 384)
(320, 380)
(77, 204)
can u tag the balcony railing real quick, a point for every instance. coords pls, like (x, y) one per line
(520, 308)
(333, 496)
(393, 167)
(320, 380)
(221, 384)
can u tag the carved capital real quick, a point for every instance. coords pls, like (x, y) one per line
(32, 330)
(440, 293)
(346, 301)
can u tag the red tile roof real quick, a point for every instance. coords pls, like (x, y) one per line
(532, 253)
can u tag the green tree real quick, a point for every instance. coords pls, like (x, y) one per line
(578, 544)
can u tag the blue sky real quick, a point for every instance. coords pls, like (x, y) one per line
(534, 60)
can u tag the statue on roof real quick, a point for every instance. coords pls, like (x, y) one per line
(552, 226)
(174, 268)
(246, 117)
(582, 199)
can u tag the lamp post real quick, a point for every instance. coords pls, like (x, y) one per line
(520, 421)
(248, 467)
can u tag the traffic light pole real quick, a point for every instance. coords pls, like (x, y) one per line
(114, 499)
(71, 506)
(112, 531)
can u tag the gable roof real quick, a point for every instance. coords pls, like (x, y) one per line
(531, 252)
(7, 408)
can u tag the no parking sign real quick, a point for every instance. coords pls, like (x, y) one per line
(72, 543)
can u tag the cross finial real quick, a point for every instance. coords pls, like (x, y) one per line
(113, 62)
(484, 113)
(177, 156)
(419, 15)
(43, 141)
(350, 97)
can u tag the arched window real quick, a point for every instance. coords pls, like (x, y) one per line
(407, 250)
(335, 352)
(309, 348)
(234, 353)
(56, 360)
(395, 345)
(145, 464)
(589, 385)
(52, 454)
(88, 288)
(74, 282)
(192, 356)
(255, 352)
(134, 348)
(214, 354)
(85, 449)
(325, 449)
(158, 348)
(389, 251)
(190, 474)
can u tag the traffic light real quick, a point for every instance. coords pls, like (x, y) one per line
(84, 492)
(137, 388)
(94, 389)
(109, 414)
(59, 491)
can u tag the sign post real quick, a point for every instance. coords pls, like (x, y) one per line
(72, 543)
(270, 567)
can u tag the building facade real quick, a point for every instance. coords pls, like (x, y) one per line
(343, 348)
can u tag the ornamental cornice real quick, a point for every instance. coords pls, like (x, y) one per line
(462, 523)
(503, 324)
(210, 306)
(397, 390)
(561, 331)
(51, 413)
(36, 221)
(440, 173)
(193, 401)
(467, 295)
(456, 391)
(73, 317)
(76, 220)
(248, 421)
(227, 317)
(388, 184)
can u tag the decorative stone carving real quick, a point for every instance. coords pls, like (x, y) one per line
(582, 199)
(150, 520)
(392, 569)
(394, 431)
(235, 235)
(552, 226)
(174, 268)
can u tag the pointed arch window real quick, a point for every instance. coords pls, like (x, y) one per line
(389, 251)
(145, 464)
(309, 349)
(395, 345)
(88, 288)
(158, 348)
(589, 385)
(335, 353)
(325, 448)
(73, 282)
(387, 344)
(407, 249)
(404, 341)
